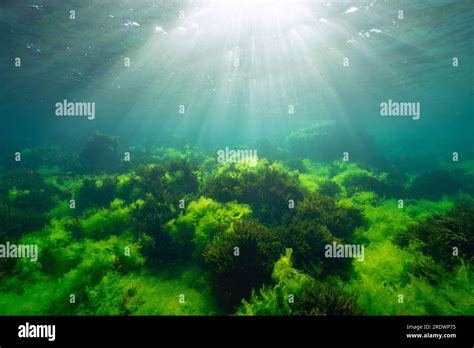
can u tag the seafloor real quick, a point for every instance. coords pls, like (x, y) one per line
(174, 232)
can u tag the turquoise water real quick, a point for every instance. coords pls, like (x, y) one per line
(290, 53)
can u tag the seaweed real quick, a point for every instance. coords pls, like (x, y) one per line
(151, 180)
(426, 267)
(16, 222)
(25, 200)
(275, 299)
(181, 178)
(26, 189)
(362, 182)
(329, 188)
(308, 238)
(205, 221)
(355, 180)
(21, 179)
(44, 158)
(266, 188)
(433, 185)
(394, 182)
(341, 221)
(323, 298)
(107, 222)
(144, 294)
(149, 218)
(128, 187)
(328, 141)
(227, 237)
(224, 187)
(438, 235)
(241, 261)
(97, 193)
(100, 153)
(172, 181)
(296, 293)
(386, 274)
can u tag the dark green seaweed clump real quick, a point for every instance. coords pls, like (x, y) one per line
(317, 222)
(242, 260)
(308, 239)
(392, 185)
(152, 179)
(101, 152)
(16, 222)
(26, 189)
(340, 221)
(434, 185)
(40, 157)
(161, 187)
(329, 188)
(25, 200)
(429, 269)
(267, 189)
(149, 222)
(324, 298)
(439, 235)
(362, 182)
(97, 193)
(171, 181)
(182, 178)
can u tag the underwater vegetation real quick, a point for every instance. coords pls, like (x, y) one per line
(267, 188)
(100, 152)
(447, 238)
(390, 184)
(327, 141)
(295, 293)
(97, 193)
(177, 233)
(434, 185)
(25, 200)
(236, 276)
(329, 188)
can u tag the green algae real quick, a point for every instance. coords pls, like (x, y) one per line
(140, 237)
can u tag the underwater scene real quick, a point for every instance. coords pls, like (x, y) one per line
(249, 158)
